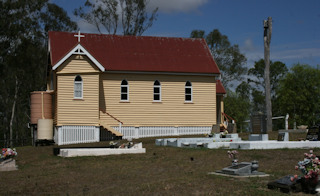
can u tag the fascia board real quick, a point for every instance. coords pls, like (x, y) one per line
(75, 51)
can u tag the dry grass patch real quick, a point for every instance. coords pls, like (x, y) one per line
(161, 171)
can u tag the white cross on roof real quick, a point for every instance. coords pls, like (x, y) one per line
(79, 36)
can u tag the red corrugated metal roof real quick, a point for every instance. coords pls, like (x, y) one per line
(143, 53)
(219, 88)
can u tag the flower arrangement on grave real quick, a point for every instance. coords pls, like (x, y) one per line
(224, 133)
(310, 168)
(233, 155)
(8, 153)
(129, 144)
(113, 144)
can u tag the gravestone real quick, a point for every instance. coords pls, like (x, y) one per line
(8, 165)
(285, 184)
(313, 133)
(283, 136)
(258, 124)
(258, 127)
(258, 137)
(242, 169)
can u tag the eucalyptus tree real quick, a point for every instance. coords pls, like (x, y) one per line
(228, 57)
(23, 58)
(278, 70)
(299, 94)
(129, 15)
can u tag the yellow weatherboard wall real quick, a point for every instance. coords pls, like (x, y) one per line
(77, 64)
(141, 110)
(102, 91)
(72, 111)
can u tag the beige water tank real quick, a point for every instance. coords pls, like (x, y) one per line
(45, 129)
(41, 106)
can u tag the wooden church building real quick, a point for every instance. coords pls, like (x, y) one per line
(131, 87)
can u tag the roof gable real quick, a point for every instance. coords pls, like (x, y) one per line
(132, 53)
(78, 50)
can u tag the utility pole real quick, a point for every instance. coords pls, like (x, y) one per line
(267, 25)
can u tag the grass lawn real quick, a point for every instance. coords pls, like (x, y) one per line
(161, 171)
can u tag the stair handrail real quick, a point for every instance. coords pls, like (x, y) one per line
(227, 116)
(105, 112)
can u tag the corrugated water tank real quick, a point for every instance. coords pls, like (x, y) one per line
(41, 106)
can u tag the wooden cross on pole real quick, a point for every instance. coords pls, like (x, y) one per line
(79, 36)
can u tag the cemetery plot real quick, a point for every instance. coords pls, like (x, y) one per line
(258, 124)
(313, 133)
(8, 165)
(74, 152)
(242, 169)
(285, 184)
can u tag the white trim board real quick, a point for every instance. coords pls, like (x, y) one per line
(82, 51)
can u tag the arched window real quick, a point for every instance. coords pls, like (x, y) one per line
(78, 87)
(124, 90)
(188, 92)
(156, 91)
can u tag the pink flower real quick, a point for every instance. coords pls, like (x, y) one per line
(291, 179)
(296, 167)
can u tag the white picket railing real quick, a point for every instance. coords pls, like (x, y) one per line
(141, 132)
(77, 134)
(194, 130)
(86, 134)
(128, 132)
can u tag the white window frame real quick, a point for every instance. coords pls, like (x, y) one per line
(127, 93)
(159, 87)
(185, 92)
(74, 87)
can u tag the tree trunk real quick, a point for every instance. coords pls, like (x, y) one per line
(12, 112)
(267, 40)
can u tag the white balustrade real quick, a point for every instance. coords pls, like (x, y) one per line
(155, 131)
(87, 134)
(77, 134)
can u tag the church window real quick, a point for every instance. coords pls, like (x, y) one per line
(156, 91)
(124, 90)
(188, 92)
(78, 87)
